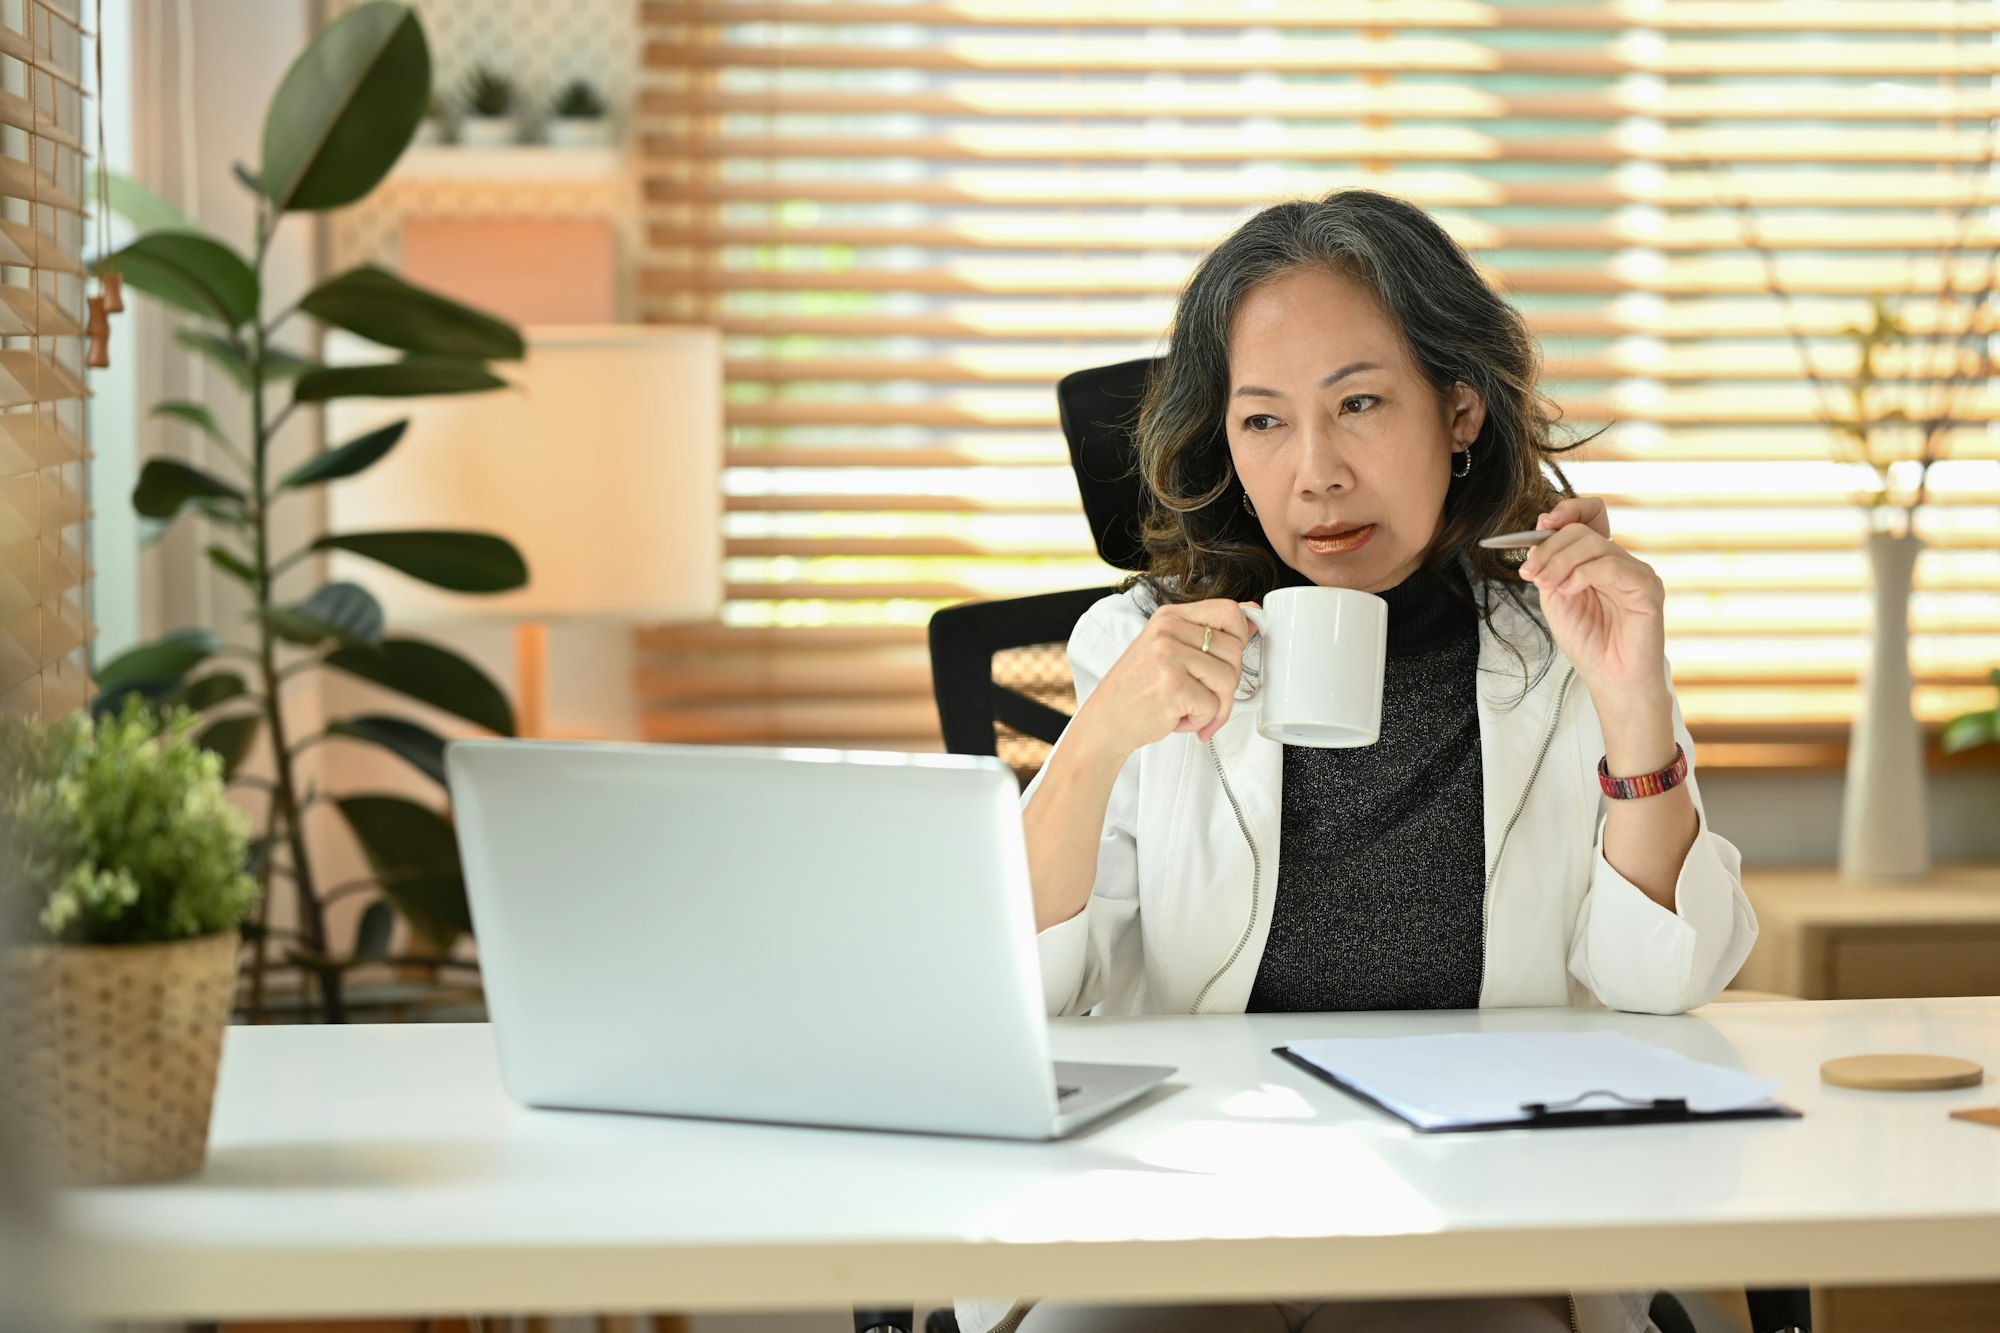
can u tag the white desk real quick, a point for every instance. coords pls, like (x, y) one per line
(378, 1170)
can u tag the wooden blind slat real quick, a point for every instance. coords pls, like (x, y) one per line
(17, 111)
(1128, 97)
(1208, 55)
(18, 180)
(1210, 188)
(1759, 16)
(1194, 235)
(28, 378)
(22, 313)
(1351, 143)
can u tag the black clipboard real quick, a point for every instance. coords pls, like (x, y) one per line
(1556, 1115)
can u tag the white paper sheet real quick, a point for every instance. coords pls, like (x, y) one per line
(1472, 1078)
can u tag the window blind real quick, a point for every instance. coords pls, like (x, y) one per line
(910, 219)
(43, 511)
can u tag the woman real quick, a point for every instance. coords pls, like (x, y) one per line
(1381, 417)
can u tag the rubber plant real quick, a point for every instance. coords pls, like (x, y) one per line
(344, 113)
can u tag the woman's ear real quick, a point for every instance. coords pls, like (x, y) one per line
(1467, 412)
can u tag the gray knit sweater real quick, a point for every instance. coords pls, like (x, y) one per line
(1381, 880)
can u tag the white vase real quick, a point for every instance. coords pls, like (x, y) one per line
(575, 132)
(1884, 824)
(488, 131)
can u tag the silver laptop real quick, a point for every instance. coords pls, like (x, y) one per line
(802, 936)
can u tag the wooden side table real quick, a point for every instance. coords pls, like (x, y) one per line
(1823, 938)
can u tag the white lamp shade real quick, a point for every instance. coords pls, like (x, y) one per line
(602, 465)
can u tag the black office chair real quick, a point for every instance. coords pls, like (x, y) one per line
(991, 669)
(1001, 676)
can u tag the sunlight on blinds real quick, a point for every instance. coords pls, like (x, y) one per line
(43, 509)
(909, 220)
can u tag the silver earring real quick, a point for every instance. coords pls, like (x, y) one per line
(1247, 505)
(1465, 456)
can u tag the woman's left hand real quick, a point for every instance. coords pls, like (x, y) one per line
(1603, 604)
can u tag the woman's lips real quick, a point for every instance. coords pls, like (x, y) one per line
(1340, 543)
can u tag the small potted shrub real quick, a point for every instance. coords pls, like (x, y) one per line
(490, 119)
(578, 117)
(124, 874)
(432, 130)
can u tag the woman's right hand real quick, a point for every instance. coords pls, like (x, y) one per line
(1164, 682)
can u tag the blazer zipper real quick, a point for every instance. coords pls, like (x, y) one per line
(1256, 882)
(1541, 757)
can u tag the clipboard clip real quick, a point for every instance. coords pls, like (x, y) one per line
(1663, 1106)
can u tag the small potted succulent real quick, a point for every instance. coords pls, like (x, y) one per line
(491, 106)
(578, 117)
(125, 876)
(433, 128)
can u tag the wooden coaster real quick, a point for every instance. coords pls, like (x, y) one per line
(1902, 1073)
(1979, 1115)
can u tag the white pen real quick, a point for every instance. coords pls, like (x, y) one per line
(1508, 541)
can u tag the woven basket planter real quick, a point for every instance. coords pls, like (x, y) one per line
(119, 1046)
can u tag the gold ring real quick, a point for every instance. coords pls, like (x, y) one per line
(1207, 637)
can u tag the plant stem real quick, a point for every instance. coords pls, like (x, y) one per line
(259, 960)
(312, 914)
(349, 889)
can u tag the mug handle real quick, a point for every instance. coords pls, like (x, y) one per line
(1246, 688)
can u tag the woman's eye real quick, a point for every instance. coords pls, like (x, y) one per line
(1359, 402)
(1260, 421)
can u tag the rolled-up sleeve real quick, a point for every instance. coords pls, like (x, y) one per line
(1636, 955)
(1076, 954)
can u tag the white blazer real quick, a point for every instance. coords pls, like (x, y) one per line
(1187, 870)
(1187, 864)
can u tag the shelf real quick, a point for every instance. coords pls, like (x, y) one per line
(430, 163)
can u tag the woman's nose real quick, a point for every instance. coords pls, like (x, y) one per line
(1322, 468)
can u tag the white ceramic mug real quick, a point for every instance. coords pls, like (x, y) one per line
(1324, 651)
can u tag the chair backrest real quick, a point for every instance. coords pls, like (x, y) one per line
(1001, 676)
(999, 669)
(1099, 409)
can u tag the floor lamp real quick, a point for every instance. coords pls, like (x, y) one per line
(602, 465)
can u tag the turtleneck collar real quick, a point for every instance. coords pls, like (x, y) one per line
(1425, 611)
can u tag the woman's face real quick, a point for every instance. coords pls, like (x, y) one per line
(1342, 445)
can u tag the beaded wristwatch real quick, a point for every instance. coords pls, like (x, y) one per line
(1646, 784)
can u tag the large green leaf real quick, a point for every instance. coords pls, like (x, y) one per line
(432, 675)
(214, 688)
(194, 414)
(194, 272)
(231, 737)
(233, 565)
(344, 611)
(167, 484)
(163, 663)
(1972, 729)
(346, 109)
(374, 931)
(412, 377)
(419, 746)
(356, 455)
(434, 903)
(279, 364)
(141, 207)
(460, 561)
(383, 308)
(413, 852)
